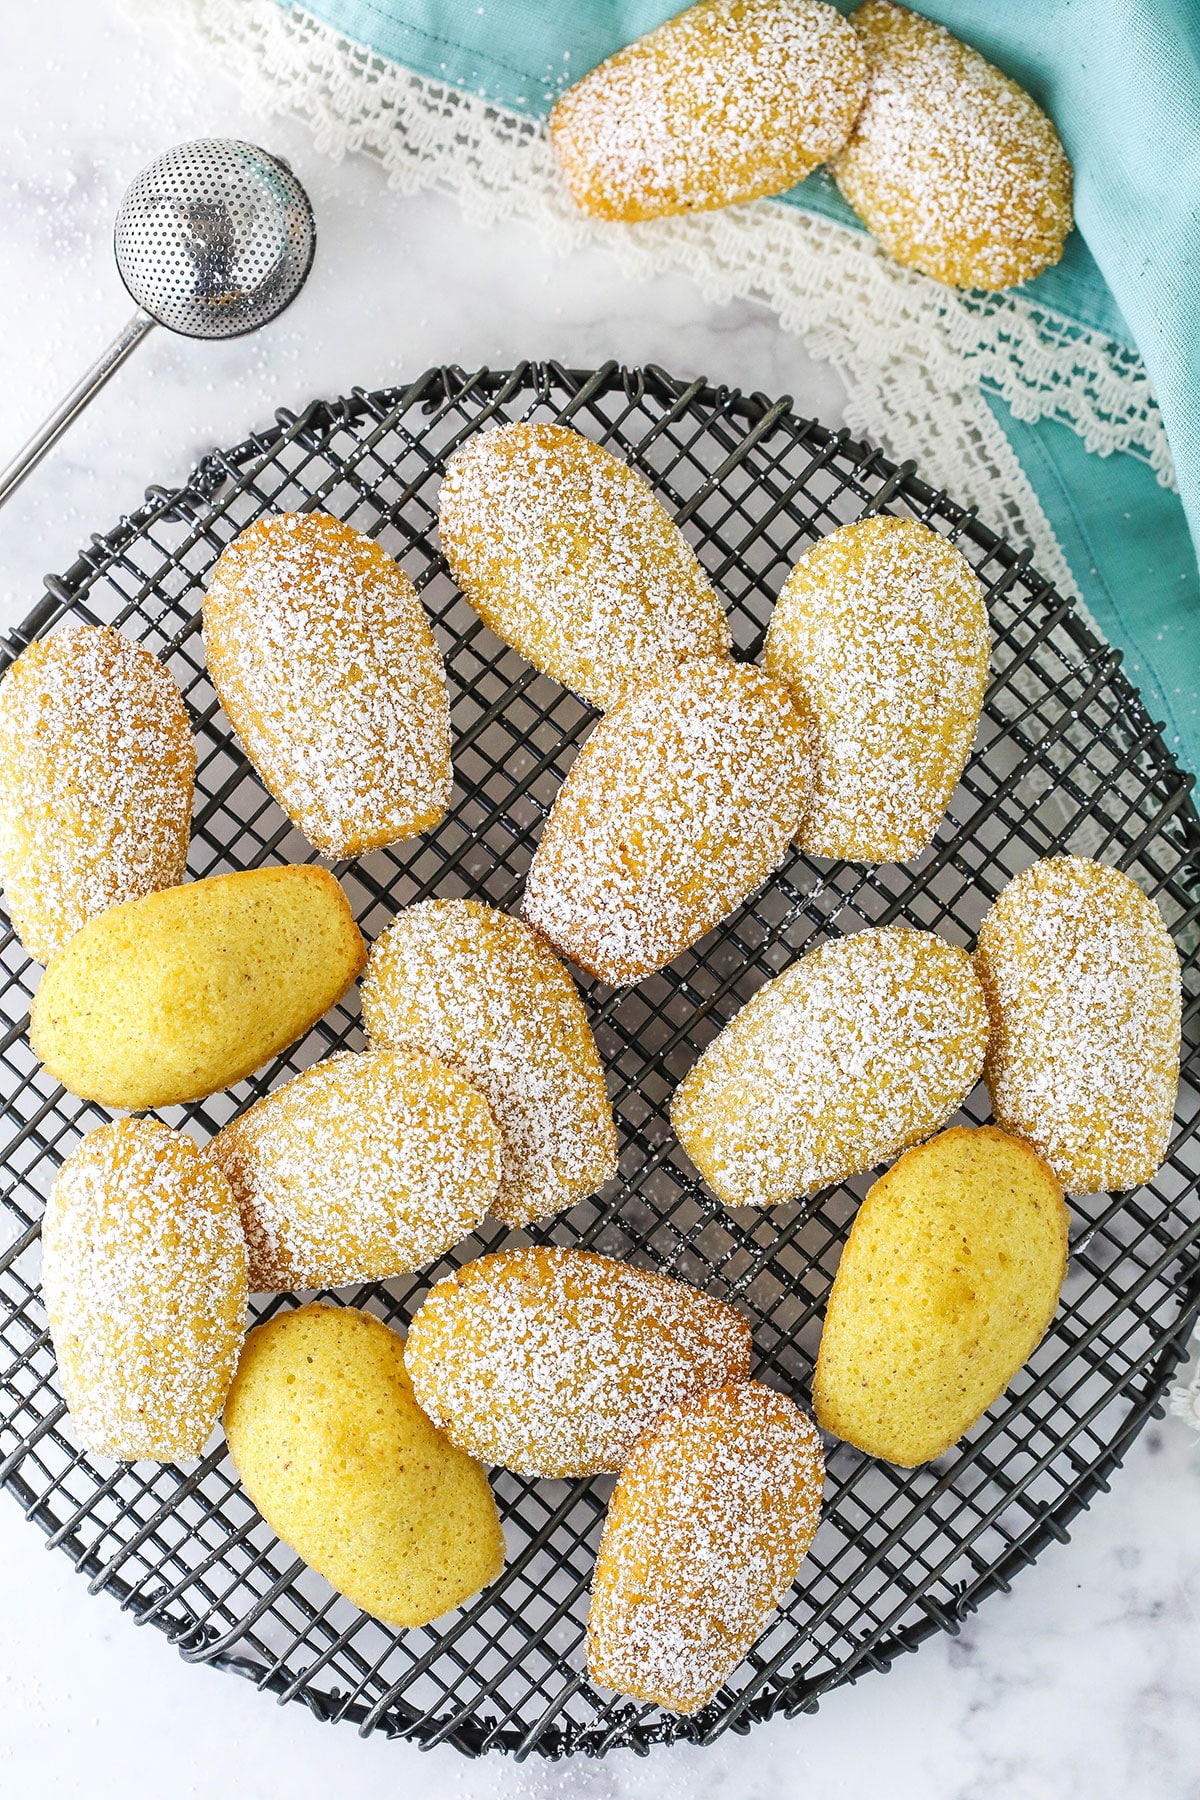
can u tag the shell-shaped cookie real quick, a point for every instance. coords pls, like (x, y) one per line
(567, 554)
(323, 659)
(363, 1167)
(864, 1046)
(96, 769)
(483, 992)
(173, 996)
(144, 1279)
(344, 1466)
(1083, 986)
(727, 101)
(707, 1528)
(952, 166)
(881, 631)
(947, 1284)
(552, 1362)
(680, 804)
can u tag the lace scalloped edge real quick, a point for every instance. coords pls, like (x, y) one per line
(915, 357)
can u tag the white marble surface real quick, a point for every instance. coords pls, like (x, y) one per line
(1085, 1683)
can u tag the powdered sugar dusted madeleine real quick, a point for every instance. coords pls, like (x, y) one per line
(1083, 985)
(881, 631)
(173, 996)
(568, 555)
(951, 165)
(325, 664)
(727, 101)
(551, 1362)
(864, 1046)
(96, 771)
(486, 994)
(707, 1528)
(679, 805)
(364, 1166)
(144, 1279)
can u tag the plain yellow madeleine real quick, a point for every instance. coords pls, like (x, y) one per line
(947, 1284)
(186, 991)
(344, 1466)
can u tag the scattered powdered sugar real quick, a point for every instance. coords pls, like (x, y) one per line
(363, 1167)
(96, 769)
(144, 1279)
(863, 1047)
(881, 630)
(680, 804)
(952, 166)
(1083, 984)
(325, 664)
(483, 992)
(711, 1519)
(551, 1362)
(728, 101)
(568, 555)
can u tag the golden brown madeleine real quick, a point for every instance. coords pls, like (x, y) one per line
(881, 631)
(551, 1362)
(483, 992)
(96, 769)
(727, 101)
(680, 804)
(567, 554)
(1083, 986)
(323, 659)
(144, 1279)
(951, 165)
(363, 1167)
(344, 1466)
(947, 1284)
(707, 1527)
(864, 1046)
(173, 996)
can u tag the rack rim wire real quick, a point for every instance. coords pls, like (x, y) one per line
(1068, 757)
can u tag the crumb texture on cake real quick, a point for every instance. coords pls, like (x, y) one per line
(345, 1467)
(552, 1361)
(730, 100)
(681, 803)
(712, 1517)
(953, 167)
(365, 1166)
(170, 997)
(325, 664)
(97, 764)
(948, 1282)
(1084, 988)
(486, 994)
(567, 554)
(864, 1046)
(144, 1280)
(881, 632)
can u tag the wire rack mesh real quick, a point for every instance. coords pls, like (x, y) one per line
(1067, 758)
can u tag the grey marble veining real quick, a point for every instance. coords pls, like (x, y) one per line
(1084, 1683)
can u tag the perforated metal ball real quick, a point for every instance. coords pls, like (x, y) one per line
(215, 238)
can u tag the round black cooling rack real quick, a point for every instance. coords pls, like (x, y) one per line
(1067, 759)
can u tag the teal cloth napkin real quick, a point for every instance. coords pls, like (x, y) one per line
(1121, 79)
